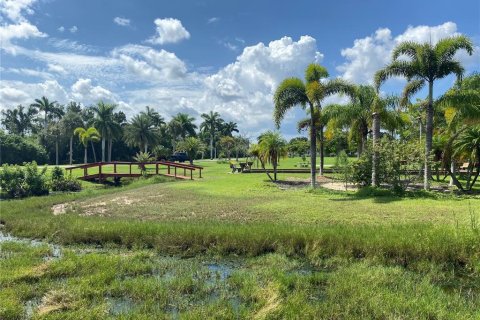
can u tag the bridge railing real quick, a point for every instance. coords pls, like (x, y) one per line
(171, 168)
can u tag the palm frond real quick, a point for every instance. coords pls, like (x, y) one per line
(291, 92)
(411, 88)
(408, 48)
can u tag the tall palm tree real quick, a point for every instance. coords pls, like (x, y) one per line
(141, 132)
(46, 106)
(182, 125)
(105, 123)
(271, 147)
(157, 119)
(72, 119)
(425, 63)
(228, 128)
(294, 92)
(211, 124)
(85, 136)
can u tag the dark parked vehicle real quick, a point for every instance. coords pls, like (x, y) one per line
(178, 156)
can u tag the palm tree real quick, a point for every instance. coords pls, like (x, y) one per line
(211, 125)
(182, 125)
(104, 122)
(85, 136)
(461, 106)
(72, 119)
(43, 104)
(271, 147)
(157, 119)
(294, 92)
(425, 63)
(468, 146)
(192, 146)
(228, 128)
(141, 132)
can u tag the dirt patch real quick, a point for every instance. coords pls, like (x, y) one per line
(61, 208)
(324, 182)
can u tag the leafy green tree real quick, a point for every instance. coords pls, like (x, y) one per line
(85, 136)
(425, 64)
(19, 120)
(141, 132)
(212, 123)
(294, 92)
(16, 149)
(192, 146)
(227, 143)
(271, 147)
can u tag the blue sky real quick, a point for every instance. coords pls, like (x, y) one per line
(196, 56)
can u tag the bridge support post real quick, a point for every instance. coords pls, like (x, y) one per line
(156, 168)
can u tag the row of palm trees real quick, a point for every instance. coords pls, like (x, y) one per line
(104, 122)
(367, 111)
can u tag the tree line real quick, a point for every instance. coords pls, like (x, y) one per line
(49, 132)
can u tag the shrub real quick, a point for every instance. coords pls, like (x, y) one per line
(398, 164)
(35, 180)
(17, 149)
(60, 183)
(66, 184)
(12, 180)
(57, 174)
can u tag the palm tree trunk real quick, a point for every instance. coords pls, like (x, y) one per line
(211, 147)
(275, 170)
(56, 152)
(428, 137)
(376, 135)
(313, 148)
(94, 153)
(146, 147)
(103, 147)
(85, 159)
(453, 170)
(110, 143)
(322, 151)
(71, 150)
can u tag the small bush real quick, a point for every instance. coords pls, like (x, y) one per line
(35, 180)
(12, 180)
(68, 184)
(60, 183)
(57, 174)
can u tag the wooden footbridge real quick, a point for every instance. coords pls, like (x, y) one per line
(100, 171)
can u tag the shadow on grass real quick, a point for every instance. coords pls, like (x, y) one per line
(379, 195)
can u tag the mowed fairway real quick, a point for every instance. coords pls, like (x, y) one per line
(236, 246)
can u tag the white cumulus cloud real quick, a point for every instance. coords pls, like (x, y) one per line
(14, 9)
(369, 54)
(23, 30)
(169, 30)
(84, 91)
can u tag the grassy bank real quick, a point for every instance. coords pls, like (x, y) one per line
(411, 255)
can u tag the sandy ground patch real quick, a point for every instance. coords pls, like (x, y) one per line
(323, 182)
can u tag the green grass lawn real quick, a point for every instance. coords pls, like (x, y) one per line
(238, 246)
